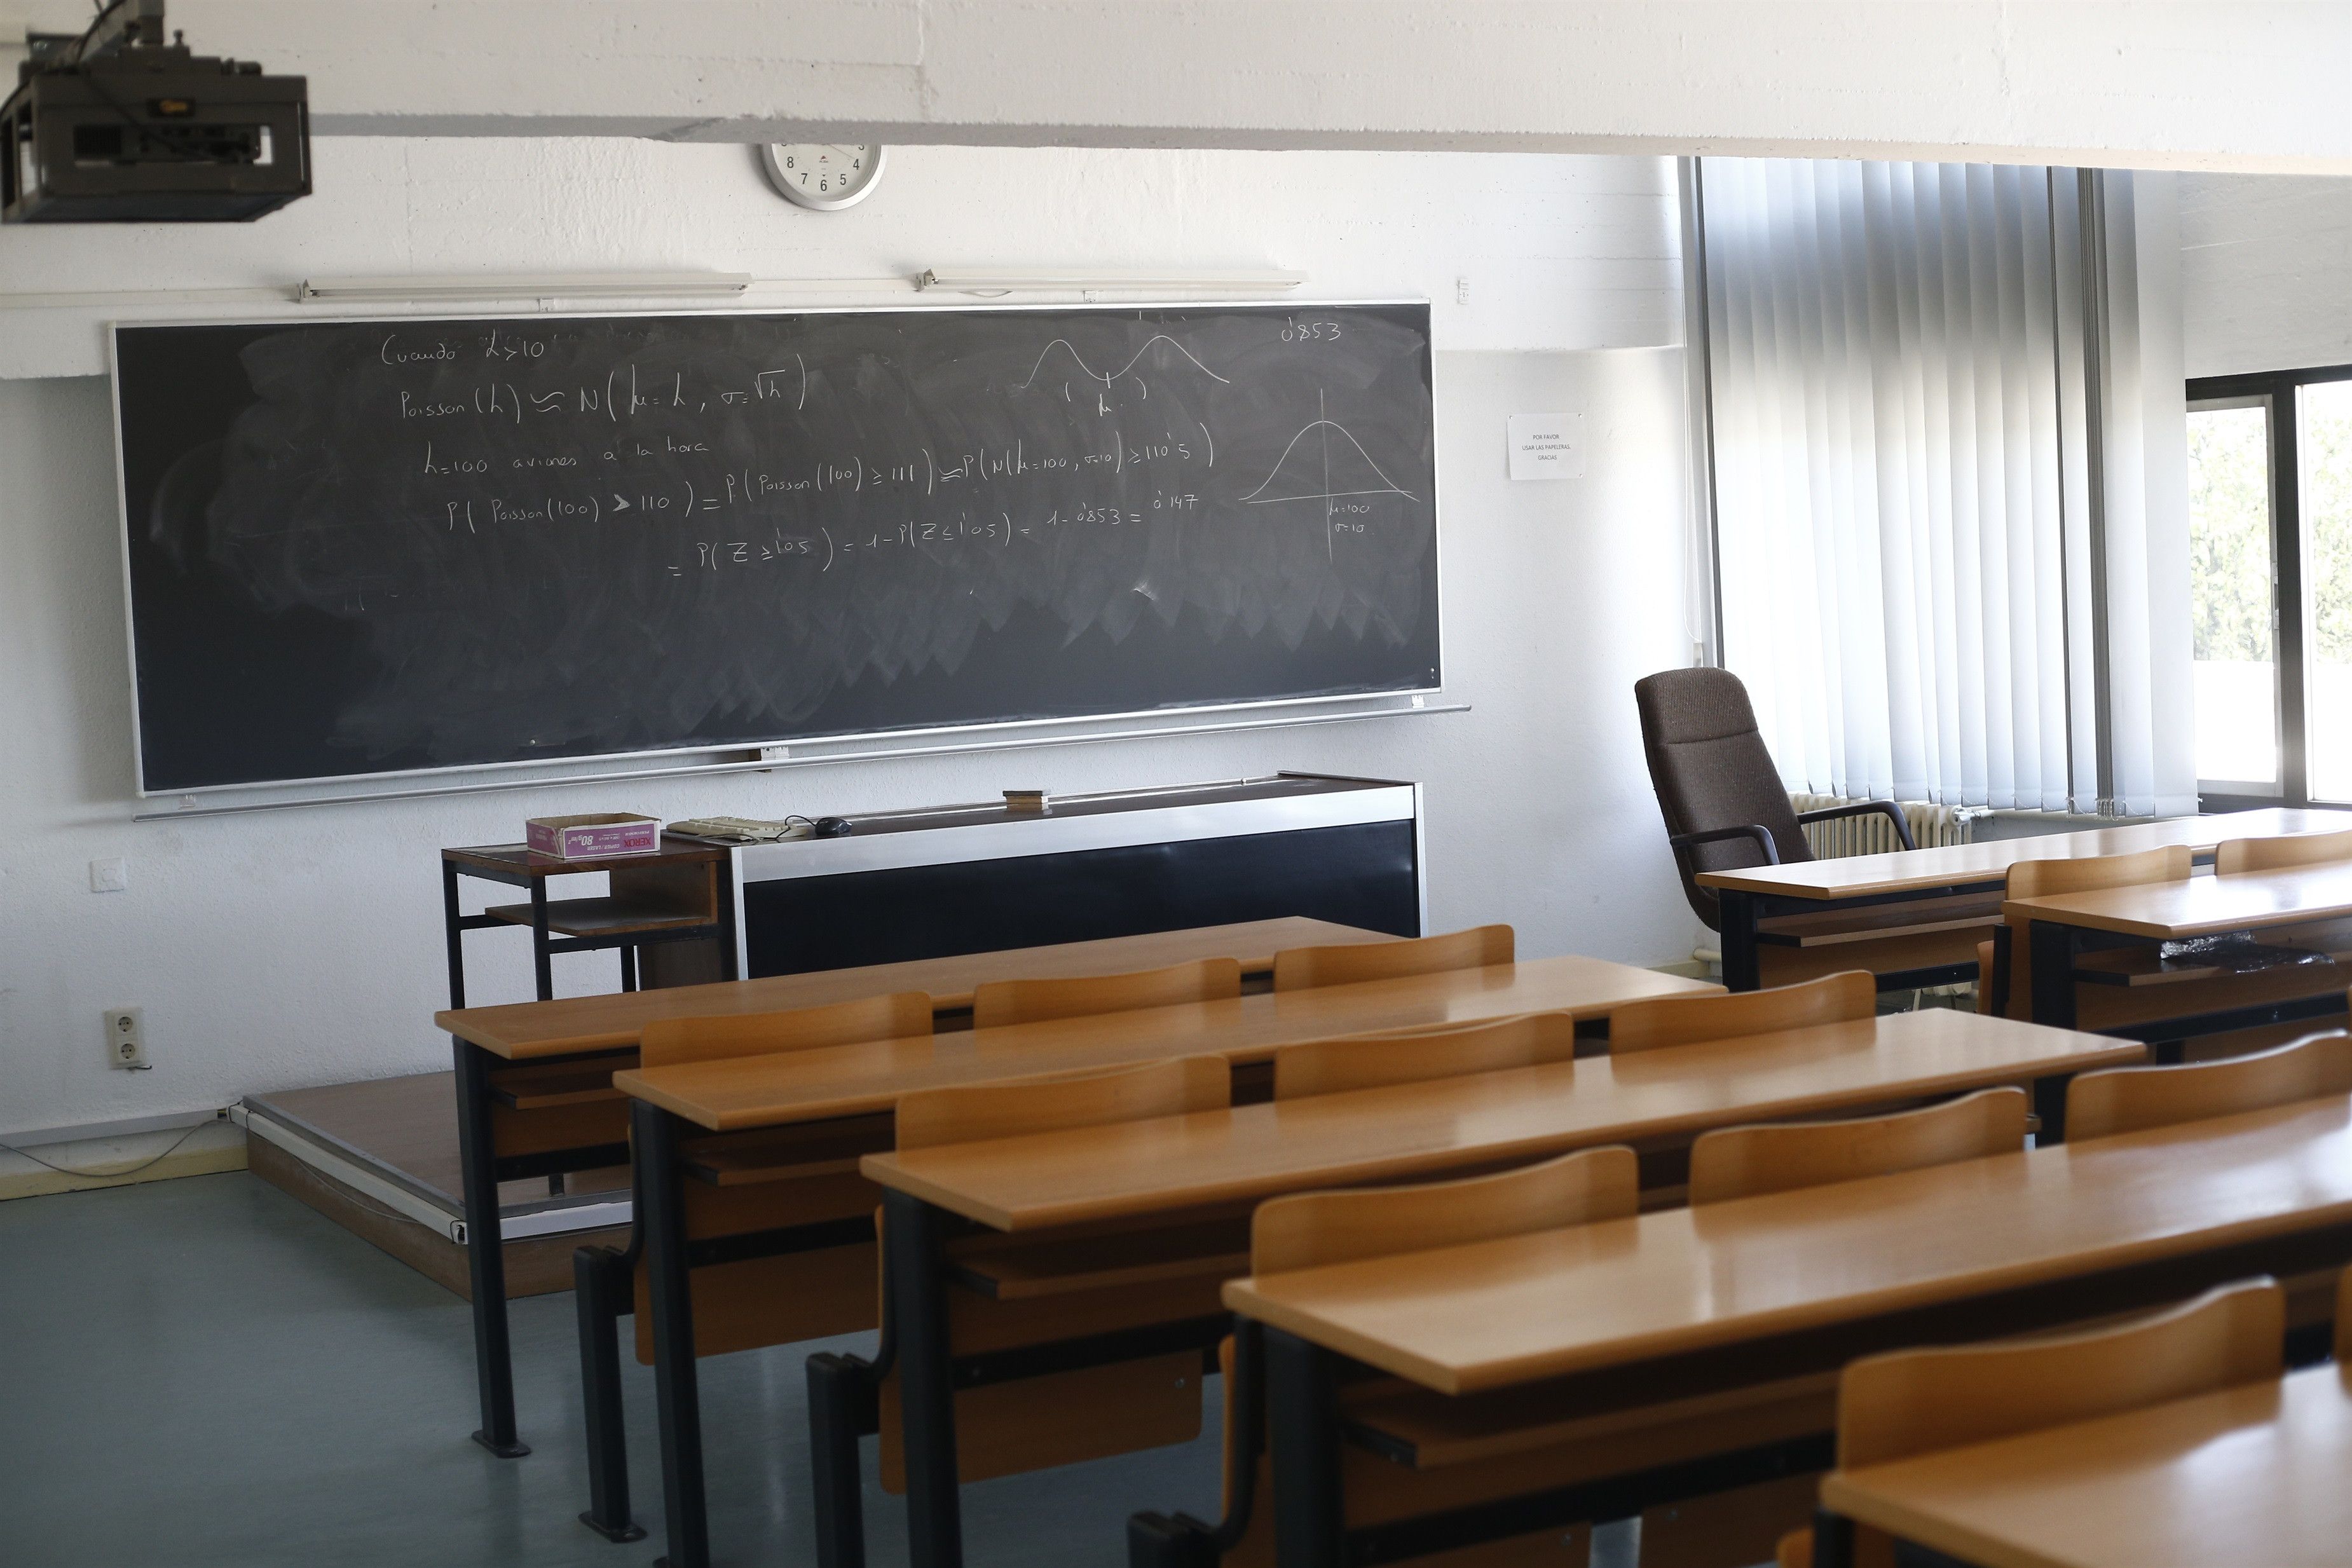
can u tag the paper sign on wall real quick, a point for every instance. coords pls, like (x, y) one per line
(1547, 446)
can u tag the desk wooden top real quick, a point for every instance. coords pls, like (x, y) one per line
(1514, 1311)
(1954, 865)
(1418, 1129)
(522, 1031)
(2201, 906)
(851, 1080)
(2254, 1474)
(520, 864)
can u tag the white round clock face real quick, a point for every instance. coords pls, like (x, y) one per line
(822, 175)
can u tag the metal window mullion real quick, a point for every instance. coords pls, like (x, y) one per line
(2289, 599)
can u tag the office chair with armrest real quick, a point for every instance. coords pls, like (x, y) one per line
(1723, 801)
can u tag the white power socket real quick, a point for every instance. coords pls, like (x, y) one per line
(126, 1038)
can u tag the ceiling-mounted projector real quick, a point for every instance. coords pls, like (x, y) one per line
(116, 126)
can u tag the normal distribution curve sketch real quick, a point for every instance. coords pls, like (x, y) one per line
(1110, 377)
(374, 546)
(1325, 494)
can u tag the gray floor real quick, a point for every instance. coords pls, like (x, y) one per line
(204, 1372)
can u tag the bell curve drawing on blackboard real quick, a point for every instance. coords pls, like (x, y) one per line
(1322, 423)
(1325, 494)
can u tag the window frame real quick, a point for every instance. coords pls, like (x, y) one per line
(2278, 392)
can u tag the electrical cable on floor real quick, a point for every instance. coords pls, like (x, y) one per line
(124, 1171)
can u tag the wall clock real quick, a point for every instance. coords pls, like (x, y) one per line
(823, 176)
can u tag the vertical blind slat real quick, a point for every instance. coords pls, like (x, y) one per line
(1891, 491)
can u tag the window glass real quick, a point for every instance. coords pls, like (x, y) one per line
(2324, 442)
(2230, 595)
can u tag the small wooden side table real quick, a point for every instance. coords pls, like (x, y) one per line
(675, 895)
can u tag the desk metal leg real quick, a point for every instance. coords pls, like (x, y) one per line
(601, 1279)
(1738, 914)
(918, 1326)
(542, 962)
(1303, 1430)
(2049, 1104)
(485, 1260)
(1832, 1540)
(2052, 947)
(661, 1220)
(723, 896)
(843, 1405)
(456, 934)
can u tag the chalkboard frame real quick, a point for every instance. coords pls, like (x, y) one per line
(1181, 717)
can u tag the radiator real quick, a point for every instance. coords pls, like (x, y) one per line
(1930, 824)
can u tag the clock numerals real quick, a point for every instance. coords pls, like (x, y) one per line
(826, 177)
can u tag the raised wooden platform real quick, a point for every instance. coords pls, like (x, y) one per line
(380, 1159)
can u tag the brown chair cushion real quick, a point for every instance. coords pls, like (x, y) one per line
(1711, 769)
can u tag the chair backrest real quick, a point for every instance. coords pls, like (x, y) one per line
(1369, 1062)
(2281, 851)
(2130, 1099)
(995, 1002)
(1475, 948)
(667, 1042)
(968, 1113)
(1711, 769)
(1309, 1230)
(1683, 1021)
(1743, 1162)
(1917, 1401)
(2087, 873)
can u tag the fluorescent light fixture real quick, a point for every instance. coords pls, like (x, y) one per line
(976, 281)
(570, 286)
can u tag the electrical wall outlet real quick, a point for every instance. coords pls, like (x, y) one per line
(126, 1038)
(110, 876)
(1461, 296)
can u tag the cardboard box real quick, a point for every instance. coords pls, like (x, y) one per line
(596, 837)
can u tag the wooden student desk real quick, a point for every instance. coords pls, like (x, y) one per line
(2110, 936)
(1763, 1287)
(1138, 1171)
(1407, 1131)
(2254, 1474)
(534, 1094)
(755, 1094)
(847, 1080)
(1771, 905)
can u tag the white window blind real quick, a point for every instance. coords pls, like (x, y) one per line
(1931, 564)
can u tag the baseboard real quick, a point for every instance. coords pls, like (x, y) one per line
(208, 1153)
(1688, 968)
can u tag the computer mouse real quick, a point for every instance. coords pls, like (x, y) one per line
(832, 827)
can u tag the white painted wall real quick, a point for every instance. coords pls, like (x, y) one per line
(2247, 84)
(304, 946)
(1559, 253)
(2266, 272)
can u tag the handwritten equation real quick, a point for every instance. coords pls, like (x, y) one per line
(762, 496)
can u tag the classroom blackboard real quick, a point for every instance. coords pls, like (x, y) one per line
(374, 546)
